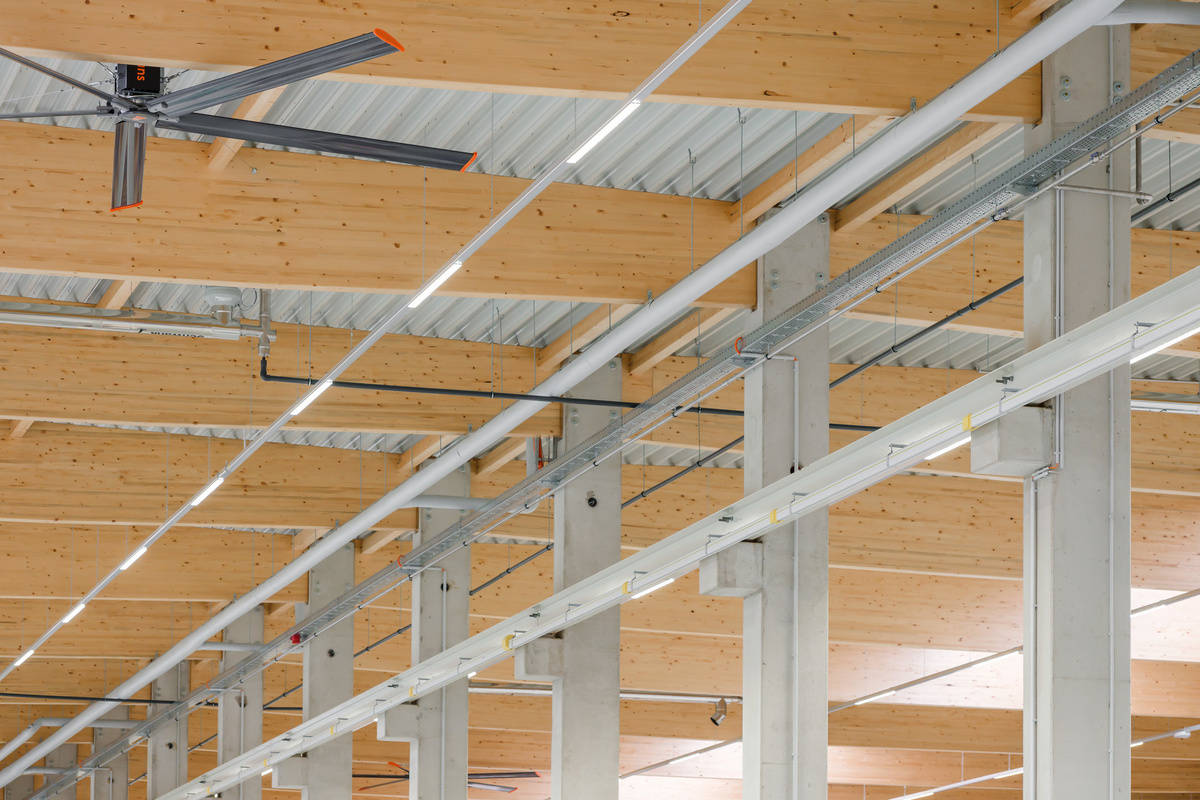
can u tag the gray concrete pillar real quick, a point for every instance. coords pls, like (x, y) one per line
(784, 577)
(21, 788)
(584, 662)
(436, 725)
(112, 782)
(167, 766)
(324, 772)
(1077, 536)
(65, 757)
(240, 713)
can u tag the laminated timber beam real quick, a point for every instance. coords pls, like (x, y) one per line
(294, 221)
(848, 61)
(72, 479)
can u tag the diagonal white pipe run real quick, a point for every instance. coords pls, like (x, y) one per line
(886, 152)
(1145, 12)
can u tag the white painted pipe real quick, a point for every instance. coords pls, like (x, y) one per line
(1144, 12)
(54, 722)
(888, 150)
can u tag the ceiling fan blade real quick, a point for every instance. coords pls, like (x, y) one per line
(129, 163)
(491, 787)
(119, 102)
(92, 112)
(307, 139)
(277, 73)
(495, 776)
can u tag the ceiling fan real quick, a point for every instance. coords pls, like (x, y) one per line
(475, 780)
(140, 104)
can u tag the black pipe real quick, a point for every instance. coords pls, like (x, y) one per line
(900, 345)
(512, 569)
(83, 698)
(1167, 198)
(694, 466)
(486, 395)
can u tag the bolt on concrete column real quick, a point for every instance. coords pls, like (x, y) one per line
(66, 757)
(436, 726)
(240, 713)
(112, 782)
(1077, 536)
(324, 772)
(167, 749)
(784, 578)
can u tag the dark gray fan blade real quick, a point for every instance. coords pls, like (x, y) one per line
(491, 787)
(129, 162)
(277, 73)
(36, 114)
(307, 139)
(119, 102)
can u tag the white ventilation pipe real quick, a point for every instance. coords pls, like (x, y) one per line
(887, 151)
(1145, 12)
(54, 722)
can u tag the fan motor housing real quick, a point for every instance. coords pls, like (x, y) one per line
(137, 80)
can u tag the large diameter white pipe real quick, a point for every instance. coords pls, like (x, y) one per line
(1146, 12)
(885, 153)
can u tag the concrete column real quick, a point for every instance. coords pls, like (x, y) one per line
(240, 714)
(112, 782)
(21, 788)
(1077, 517)
(584, 662)
(65, 756)
(436, 726)
(167, 766)
(324, 772)
(784, 577)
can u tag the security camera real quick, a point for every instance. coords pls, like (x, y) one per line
(720, 711)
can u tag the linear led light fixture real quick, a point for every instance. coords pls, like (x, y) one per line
(608, 127)
(653, 588)
(133, 557)
(435, 283)
(871, 698)
(74, 612)
(213, 485)
(941, 451)
(1164, 345)
(24, 657)
(308, 399)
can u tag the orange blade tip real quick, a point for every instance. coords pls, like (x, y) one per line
(131, 205)
(469, 163)
(387, 37)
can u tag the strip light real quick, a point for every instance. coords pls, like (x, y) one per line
(134, 556)
(24, 657)
(873, 697)
(952, 446)
(212, 487)
(74, 612)
(435, 284)
(653, 588)
(307, 401)
(608, 127)
(1164, 345)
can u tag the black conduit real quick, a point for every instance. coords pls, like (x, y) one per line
(1166, 199)
(903, 343)
(486, 395)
